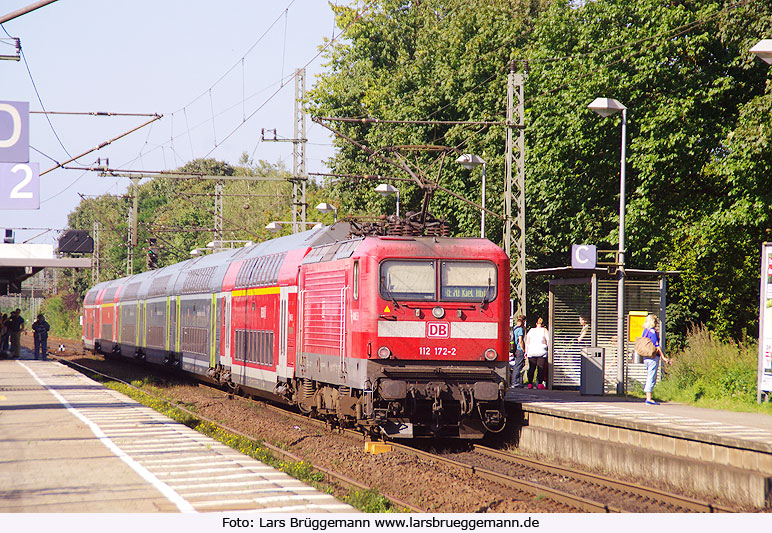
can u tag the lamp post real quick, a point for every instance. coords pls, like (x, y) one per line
(606, 107)
(763, 49)
(384, 189)
(470, 161)
(324, 207)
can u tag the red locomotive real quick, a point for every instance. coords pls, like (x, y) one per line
(405, 336)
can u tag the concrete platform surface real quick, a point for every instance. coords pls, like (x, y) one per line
(68, 444)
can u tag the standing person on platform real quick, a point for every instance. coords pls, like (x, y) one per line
(536, 347)
(517, 357)
(5, 336)
(41, 327)
(652, 363)
(582, 340)
(15, 327)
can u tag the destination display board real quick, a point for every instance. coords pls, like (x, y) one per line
(465, 293)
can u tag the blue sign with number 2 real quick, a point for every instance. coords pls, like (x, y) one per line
(19, 186)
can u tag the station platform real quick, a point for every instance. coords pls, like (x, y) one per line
(713, 452)
(741, 430)
(68, 444)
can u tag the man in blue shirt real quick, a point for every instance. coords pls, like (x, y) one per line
(652, 363)
(517, 355)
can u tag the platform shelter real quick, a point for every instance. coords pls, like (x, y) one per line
(578, 296)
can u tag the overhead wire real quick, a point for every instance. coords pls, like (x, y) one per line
(281, 83)
(37, 93)
(319, 53)
(259, 39)
(200, 125)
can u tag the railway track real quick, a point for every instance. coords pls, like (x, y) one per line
(602, 494)
(576, 489)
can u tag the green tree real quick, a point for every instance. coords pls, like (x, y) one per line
(429, 60)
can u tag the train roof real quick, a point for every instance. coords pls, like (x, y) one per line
(451, 247)
(206, 273)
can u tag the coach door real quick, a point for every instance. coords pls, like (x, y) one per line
(225, 332)
(282, 369)
(116, 313)
(168, 325)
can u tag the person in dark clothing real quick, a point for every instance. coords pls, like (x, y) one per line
(517, 356)
(40, 328)
(15, 327)
(5, 336)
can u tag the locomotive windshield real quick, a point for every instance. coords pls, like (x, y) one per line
(468, 281)
(460, 281)
(408, 280)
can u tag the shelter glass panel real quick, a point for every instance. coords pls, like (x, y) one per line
(571, 313)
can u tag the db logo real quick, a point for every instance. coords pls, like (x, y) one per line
(439, 330)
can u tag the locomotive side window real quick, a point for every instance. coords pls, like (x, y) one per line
(467, 281)
(356, 281)
(408, 280)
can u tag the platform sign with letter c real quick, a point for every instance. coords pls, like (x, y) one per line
(19, 186)
(583, 256)
(14, 132)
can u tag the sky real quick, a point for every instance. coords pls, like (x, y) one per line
(218, 72)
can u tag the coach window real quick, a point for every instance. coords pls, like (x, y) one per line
(408, 280)
(467, 281)
(356, 280)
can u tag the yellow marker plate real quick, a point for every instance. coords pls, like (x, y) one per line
(386, 309)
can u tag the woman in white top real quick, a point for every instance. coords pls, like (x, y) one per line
(536, 346)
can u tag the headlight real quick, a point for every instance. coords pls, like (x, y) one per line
(490, 354)
(438, 312)
(384, 352)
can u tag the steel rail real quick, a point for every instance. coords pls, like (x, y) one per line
(560, 496)
(685, 502)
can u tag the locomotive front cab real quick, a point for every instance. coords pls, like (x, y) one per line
(439, 355)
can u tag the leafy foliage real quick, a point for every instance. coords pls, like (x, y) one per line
(62, 313)
(432, 60)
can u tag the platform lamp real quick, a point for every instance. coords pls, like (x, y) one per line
(384, 189)
(763, 49)
(470, 161)
(273, 227)
(324, 207)
(606, 107)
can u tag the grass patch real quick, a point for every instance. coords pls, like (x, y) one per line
(369, 501)
(713, 373)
